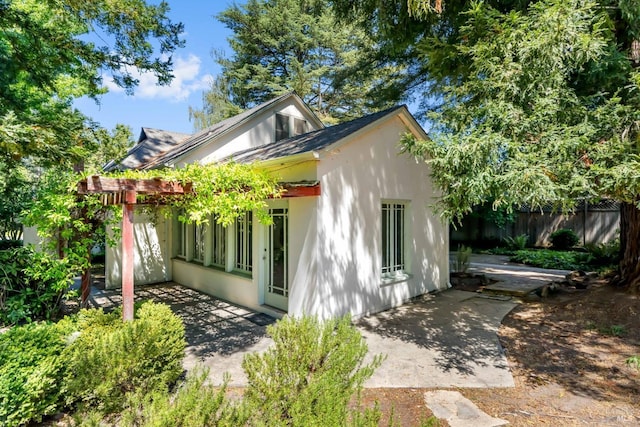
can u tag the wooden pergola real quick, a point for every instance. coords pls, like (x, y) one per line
(125, 191)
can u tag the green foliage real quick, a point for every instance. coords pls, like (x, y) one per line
(634, 362)
(223, 190)
(545, 258)
(16, 192)
(110, 358)
(563, 239)
(281, 46)
(463, 259)
(32, 285)
(194, 404)
(604, 254)
(516, 243)
(614, 330)
(309, 375)
(69, 225)
(31, 372)
(46, 61)
(105, 146)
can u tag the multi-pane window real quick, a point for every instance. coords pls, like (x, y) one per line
(181, 239)
(198, 242)
(282, 126)
(243, 243)
(285, 129)
(219, 244)
(393, 235)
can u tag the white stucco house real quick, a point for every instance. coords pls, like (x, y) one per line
(358, 237)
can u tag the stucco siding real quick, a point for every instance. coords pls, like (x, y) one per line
(232, 287)
(152, 251)
(355, 179)
(303, 251)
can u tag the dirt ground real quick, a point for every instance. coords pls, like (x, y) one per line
(568, 353)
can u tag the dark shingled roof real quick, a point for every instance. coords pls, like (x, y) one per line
(211, 132)
(152, 142)
(312, 141)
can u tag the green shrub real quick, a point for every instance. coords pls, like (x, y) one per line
(563, 239)
(194, 404)
(31, 372)
(545, 258)
(604, 253)
(309, 376)
(516, 243)
(32, 285)
(111, 358)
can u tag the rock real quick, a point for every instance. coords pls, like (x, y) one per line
(579, 279)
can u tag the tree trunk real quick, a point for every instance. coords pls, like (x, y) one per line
(630, 247)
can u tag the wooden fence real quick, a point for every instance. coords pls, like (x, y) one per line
(593, 223)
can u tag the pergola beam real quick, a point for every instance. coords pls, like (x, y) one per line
(124, 191)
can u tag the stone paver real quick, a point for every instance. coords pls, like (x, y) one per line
(458, 411)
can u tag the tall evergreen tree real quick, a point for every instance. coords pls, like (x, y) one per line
(294, 45)
(533, 102)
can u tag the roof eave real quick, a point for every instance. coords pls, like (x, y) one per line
(294, 158)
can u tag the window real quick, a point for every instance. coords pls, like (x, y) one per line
(282, 126)
(199, 231)
(243, 243)
(181, 238)
(393, 231)
(219, 247)
(299, 126)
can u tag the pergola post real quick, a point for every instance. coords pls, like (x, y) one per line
(127, 254)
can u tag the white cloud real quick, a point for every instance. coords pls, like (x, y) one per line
(186, 80)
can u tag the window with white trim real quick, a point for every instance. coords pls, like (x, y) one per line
(181, 238)
(199, 231)
(288, 126)
(243, 243)
(393, 239)
(282, 126)
(218, 243)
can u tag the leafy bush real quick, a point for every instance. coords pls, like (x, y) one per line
(604, 253)
(111, 358)
(31, 372)
(516, 243)
(309, 375)
(32, 285)
(545, 258)
(563, 239)
(194, 404)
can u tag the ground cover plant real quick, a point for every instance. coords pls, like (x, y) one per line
(559, 260)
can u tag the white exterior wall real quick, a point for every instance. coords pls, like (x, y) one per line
(355, 179)
(152, 253)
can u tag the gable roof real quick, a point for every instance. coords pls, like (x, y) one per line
(220, 128)
(309, 142)
(151, 143)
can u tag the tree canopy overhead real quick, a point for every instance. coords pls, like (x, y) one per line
(294, 45)
(532, 102)
(46, 60)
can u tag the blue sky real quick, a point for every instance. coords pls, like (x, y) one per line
(167, 107)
